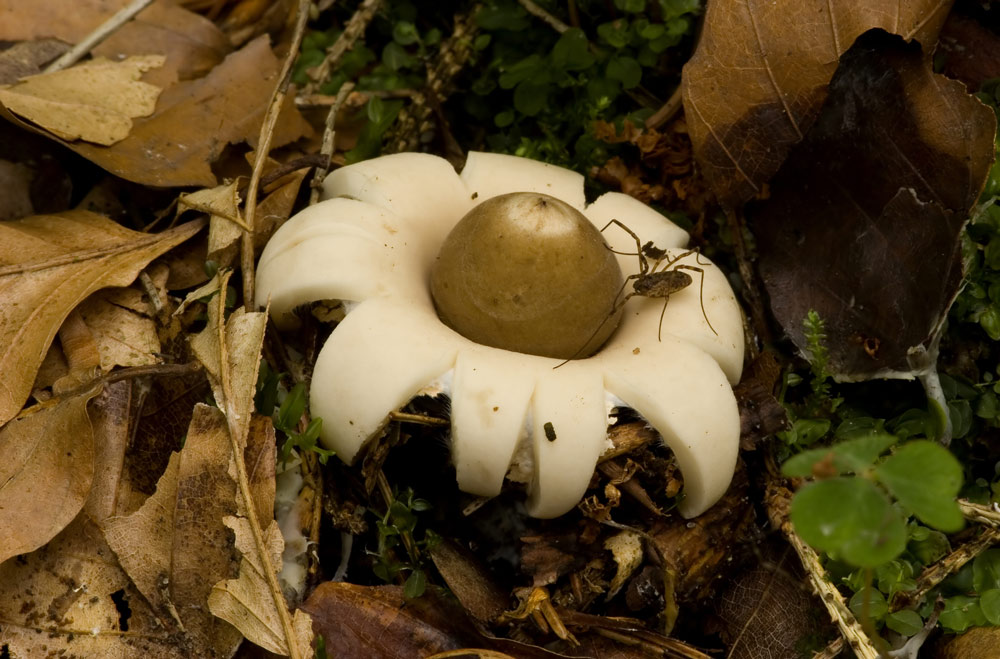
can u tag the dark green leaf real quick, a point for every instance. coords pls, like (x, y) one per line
(851, 456)
(415, 584)
(291, 409)
(905, 622)
(571, 52)
(989, 602)
(395, 56)
(504, 119)
(626, 70)
(524, 69)
(986, 571)
(615, 33)
(925, 477)
(530, 98)
(405, 33)
(851, 519)
(511, 17)
(960, 613)
(869, 604)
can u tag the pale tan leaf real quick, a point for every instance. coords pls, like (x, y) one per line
(225, 225)
(759, 75)
(59, 601)
(48, 265)
(123, 336)
(45, 474)
(176, 546)
(94, 101)
(246, 602)
(232, 368)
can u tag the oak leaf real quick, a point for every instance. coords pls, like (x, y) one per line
(48, 265)
(759, 75)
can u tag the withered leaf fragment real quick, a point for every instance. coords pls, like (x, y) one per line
(864, 219)
(759, 75)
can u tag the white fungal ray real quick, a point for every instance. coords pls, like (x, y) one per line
(569, 434)
(374, 242)
(378, 358)
(489, 175)
(490, 397)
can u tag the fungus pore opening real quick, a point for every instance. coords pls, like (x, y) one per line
(529, 273)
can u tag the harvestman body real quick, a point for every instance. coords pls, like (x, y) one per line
(652, 282)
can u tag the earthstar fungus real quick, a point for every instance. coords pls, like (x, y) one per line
(374, 243)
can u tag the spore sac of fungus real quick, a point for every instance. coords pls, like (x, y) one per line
(529, 273)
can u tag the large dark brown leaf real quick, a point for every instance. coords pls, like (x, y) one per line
(864, 218)
(756, 82)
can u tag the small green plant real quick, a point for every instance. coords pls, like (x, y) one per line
(856, 507)
(811, 418)
(286, 418)
(397, 527)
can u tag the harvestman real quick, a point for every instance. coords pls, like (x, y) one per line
(652, 283)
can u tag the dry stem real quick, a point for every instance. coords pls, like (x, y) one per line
(263, 148)
(238, 443)
(329, 141)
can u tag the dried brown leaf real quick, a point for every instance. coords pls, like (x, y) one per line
(865, 218)
(176, 546)
(48, 264)
(469, 581)
(196, 120)
(94, 101)
(378, 622)
(759, 75)
(191, 43)
(61, 601)
(45, 474)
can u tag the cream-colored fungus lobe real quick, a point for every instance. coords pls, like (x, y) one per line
(374, 243)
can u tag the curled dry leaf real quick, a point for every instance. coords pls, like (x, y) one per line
(27, 58)
(94, 101)
(759, 75)
(45, 474)
(176, 546)
(864, 220)
(48, 265)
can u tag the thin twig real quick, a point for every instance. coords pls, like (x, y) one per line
(263, 148)
(667, 111)
(537, 11)
(421, 419)
(105, 30)
(950, 564)
(833, 649)
(329, 141)
(355, 27)
(237, 436)
(977, 512)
